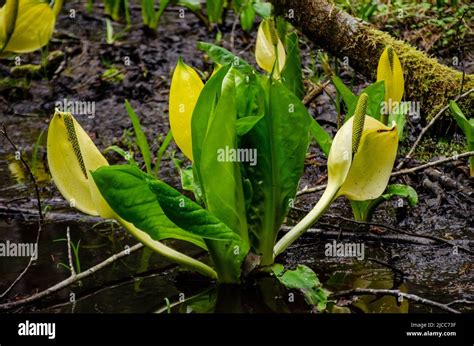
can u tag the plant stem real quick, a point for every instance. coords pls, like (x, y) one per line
(328, 196)
(169, 253)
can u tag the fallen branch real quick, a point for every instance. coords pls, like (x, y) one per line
(72, 279)
(426, 80)
(396, 294)
(316, 90)
(428, 126)
(431, 164)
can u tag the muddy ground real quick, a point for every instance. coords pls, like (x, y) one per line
(435, 271)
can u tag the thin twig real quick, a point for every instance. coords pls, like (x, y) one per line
(394, 293)
(397, 173)
(72, 279)
(30, 173)
(431, 164)
(40, 212)
(396, 230)
(314, 92)
(23, 273)
(69, 252)
(461, 301)
(232, 33)
(427, 127)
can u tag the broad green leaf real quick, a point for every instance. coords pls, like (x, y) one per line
(128, 192)
(321, 137)
(140, 136)
(281, 139)
(215, 9)
(304, 280)
(223, 57)
(375, 92)
(189, 215)
(213, 130)
(292, 74)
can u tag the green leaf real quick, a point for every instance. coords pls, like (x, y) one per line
(127, 155)
(213, 130)
(189, 215)
(467, 126)
(321, 137)
(364, 210)
(263, 9)
(188, 182)
(215, 9)
(126, 189)
(247, 17)
(292, 74)
(223, 57)
(376, 94)
(347, 95)
(399, 116)
(304, 280)
(193, 5)
(245, 124)
(281, 139)
(141, 138)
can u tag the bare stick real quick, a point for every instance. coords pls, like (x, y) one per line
(400, 172)
(72, 279)
(23, 273)
(40, 212)
(394, 293)
(30, 173)
(314, 92)
(427, 127)
(69, 252)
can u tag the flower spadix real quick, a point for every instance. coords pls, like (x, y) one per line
(185, 89)
(26, 25)
(390, 70)
(359, 165)
(71, 157)
(269, 47)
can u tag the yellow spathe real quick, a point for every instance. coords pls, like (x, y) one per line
(390, 70)
(185, 89)
(33, 27)
(71, 157)
(265, 52)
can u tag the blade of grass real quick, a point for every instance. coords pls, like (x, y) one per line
(140, 136)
